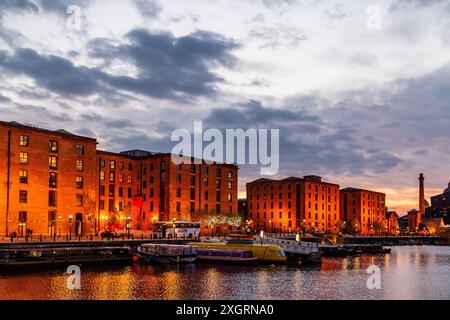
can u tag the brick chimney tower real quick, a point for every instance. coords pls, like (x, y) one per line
(421, 195)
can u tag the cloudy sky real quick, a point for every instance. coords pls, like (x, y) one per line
(361, 106)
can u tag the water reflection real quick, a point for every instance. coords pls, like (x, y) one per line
(416, 272)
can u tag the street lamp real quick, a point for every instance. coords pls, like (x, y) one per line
(70, 226)
(128, 226)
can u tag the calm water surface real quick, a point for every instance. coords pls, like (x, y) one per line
(414, 272)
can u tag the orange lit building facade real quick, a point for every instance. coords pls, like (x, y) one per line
(362, 210)
(55, 182)
(293, 204)
(48, 181)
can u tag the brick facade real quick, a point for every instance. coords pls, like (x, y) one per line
(68, 186)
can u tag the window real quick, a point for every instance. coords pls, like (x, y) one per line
(102, 190)
(112, 165)
(79, 182)
(53, 146)
(111, 190)
(206, 170)
(206, 195)
(23, 176)
(205, 182)
(79, 165)
(130, 193)
(102, 175)
(53, 162)
(151, 192)
(130, 167)
(102, 205)
(112, 177)
(121, 165)
(178, 206)
(192, 180)
(178, 192)
(24, 157)
(218, 172)
(80, 151)
(22, 217)
(179, 178)
(102, 163)
(129, 179)
(24, 140)
(192, 194)
(230, 174)
(52, 180)
(121, 177)
(218, 183)
(152, 166)
(230, 197)
(52, 198)
(230, 186)
(23, 196)
(79, 200)
(120, 191)
(151, 206)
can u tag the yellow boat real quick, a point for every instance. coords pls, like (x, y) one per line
(264, 252)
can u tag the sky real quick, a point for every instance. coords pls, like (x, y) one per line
(359, 103)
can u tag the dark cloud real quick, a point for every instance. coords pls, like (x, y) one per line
(148, 8)
(52, 72)
(307, 142)
(169, 67)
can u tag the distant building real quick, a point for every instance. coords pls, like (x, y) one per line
(392, 225)
(291, 204)
(403, 223)
(363, 210)
(440, 206)
(414, 219)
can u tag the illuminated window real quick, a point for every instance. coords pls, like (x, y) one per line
(230, 175)
(121, 165)
(24, 140)
(230, 197)
(53, 146)
(230, 186)
(120, 177)
(24, 176)
(112, 177)
(79, 165)
(79, 182)
(53, 162)
(24, 157)
(102, 175)
(112, 165)
(129, 179)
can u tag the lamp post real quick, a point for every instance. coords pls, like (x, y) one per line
(70, 226)
(128, 226)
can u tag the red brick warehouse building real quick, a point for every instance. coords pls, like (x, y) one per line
(55, 182)
(363, 210)
(293, 204)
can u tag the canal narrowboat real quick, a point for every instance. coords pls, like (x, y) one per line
(167, 253)
(45, 256)
(225, 256)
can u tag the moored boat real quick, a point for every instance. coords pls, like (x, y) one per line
(45, 256)
(167, 253)
(228, 256)
(264, 252)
